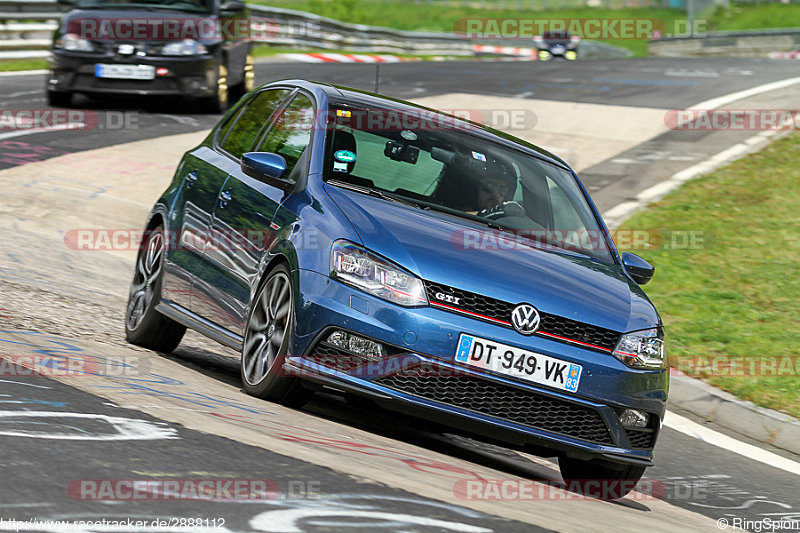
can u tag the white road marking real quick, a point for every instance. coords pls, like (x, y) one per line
(125, 428)
(286, 520)
(698, 431)
(617, 214)
(759, 89)
(24, 72)
(19, 133)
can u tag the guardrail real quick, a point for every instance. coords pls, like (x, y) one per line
(26, 25)
(743, 43)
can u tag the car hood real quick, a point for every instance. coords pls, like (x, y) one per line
(140, 25)
(456, 252)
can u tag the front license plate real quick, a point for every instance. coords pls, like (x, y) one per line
(557, 49)
(125, 72)
(519, 363)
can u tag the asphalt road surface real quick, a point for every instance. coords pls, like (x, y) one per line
(331, 466)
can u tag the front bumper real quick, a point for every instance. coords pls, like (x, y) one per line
(584, 424)
(188, 76)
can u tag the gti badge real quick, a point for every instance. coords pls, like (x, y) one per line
(447, 298)
(525, 319)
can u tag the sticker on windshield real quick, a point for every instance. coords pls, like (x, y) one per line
(479, 157)
(346, 156)
(342, 113)
(338, 166)
(408, 135)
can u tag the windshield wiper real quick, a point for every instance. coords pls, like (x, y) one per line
(377, 193)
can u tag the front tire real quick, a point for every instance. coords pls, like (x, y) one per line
(144, 326)
(615, 480)
(268, 335)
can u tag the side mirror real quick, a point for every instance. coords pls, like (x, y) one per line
(232, 6)
(267, 167)
(640, 270)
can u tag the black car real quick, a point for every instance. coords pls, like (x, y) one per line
(197, 49)
(557, 44)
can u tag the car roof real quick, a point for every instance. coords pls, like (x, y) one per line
(341, 96)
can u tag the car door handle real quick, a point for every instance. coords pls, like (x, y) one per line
(225, 197)
(191, 177)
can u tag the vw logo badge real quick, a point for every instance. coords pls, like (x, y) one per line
(525, 319)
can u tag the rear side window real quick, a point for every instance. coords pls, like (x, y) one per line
(291, 133)
(251, 120)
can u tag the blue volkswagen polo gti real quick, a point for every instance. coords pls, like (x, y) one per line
(350, 241)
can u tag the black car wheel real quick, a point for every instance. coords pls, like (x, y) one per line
(219, 102)
(601, 479)
(267, 338)
(57, 99)
(144, 326)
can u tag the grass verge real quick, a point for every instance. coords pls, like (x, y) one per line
(730, 303)
(7, 65)
(433, 17)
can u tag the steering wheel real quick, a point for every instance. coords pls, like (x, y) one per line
(502, 210)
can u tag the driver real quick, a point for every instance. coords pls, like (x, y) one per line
(491, 193)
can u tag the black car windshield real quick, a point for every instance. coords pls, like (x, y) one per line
(437, 163)
(193, 6)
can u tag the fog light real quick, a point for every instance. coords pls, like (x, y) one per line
(357, 345)
(571, 55)
(631, 418)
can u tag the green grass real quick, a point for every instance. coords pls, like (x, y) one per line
(401, 14)
(750, 17)
(7, 65)
(432, 17)
(737, 295)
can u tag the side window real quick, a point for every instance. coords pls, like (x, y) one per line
(291, 133)
(248, 124)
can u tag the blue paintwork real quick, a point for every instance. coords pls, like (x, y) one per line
(301, 227)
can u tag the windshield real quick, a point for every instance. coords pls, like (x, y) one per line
(445, 168)
(193, 6)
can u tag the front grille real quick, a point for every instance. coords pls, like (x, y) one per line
(522, 407)
(642, 439)
(499, 311)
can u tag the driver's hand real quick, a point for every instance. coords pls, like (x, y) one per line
(506, 209)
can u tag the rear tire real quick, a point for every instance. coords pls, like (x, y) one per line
(144, 326)
(57, 99)
(615, 480)
(268, 335)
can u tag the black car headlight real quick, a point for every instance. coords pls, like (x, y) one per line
(73, 43)
(643, 349)
(359, 268)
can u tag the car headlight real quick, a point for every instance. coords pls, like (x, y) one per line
(186, 47)
(70, 41)
(643, 349)
(364, 270)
